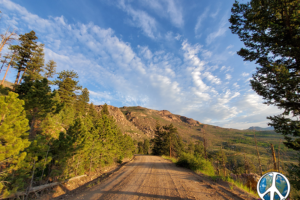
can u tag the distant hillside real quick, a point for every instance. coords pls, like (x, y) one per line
(7, 84)
(139, 123)
(257, 128)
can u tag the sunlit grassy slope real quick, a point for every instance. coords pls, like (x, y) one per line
(234, 142)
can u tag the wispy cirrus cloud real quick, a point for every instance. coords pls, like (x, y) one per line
(169, 9)
(200, 21)
(220, 31)
(121, 73)
(141, 19)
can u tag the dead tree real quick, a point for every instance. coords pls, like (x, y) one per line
(9, 64)
(6, 38)
(278, 157)
(273, 156)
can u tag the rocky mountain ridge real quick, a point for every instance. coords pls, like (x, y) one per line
(140, 122)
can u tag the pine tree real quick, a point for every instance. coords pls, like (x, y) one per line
(50, 70)
(140, 148)
(36, 64)
(24, 52)
(167, 141)
(38, 100)
(13, 135)
(105, 110)
(82, 101)
(146, 146)
(270, 32)
(67, 86)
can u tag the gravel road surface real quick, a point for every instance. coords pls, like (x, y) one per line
(152, 177)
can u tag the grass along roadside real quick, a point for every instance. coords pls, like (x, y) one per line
(200, 165)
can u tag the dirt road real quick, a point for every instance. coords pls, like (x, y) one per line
(152, 177)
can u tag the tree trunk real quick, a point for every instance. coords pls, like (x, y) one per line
(18, 76)
(278, 157)
(5, 74)
(30, 181)
(22, 76)
(45, 162)
(260, 169)
(273, 156)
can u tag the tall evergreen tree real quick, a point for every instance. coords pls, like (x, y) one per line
(105, 110)
(146, 146)
(82, 101)
(140, 148)
(50, 69)
(13, 137)
(270, 32)
(167, 141)
(67, 86)
(24, 52)
(38, 100)
(36, 64)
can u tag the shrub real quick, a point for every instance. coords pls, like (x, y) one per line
(195, 163)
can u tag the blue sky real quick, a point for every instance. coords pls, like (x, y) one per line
(171, 55)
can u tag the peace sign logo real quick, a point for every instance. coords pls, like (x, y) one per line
(273, 186)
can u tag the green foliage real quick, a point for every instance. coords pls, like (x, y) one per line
(195, 163)
(67, 86)
(36, 64)
(24, 52)
(140, 148)
(13, 137)
(199, 149)
(167, 141)
(105, 110)
(146, 146)
(68, 136)
(82, 102)
(38, 100)
(270, 32)
(191, 148)
(50, 70)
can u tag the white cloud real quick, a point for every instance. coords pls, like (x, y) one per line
(141, 19)
(229, 47)
(221, 30)
(145, 52)
(236, 85)
(168, 9)
(232, 52)
(115, 72)
(228, 76)
(244, 74)
(213, 15)
(212, 78)
(178, 36)
(200, 20)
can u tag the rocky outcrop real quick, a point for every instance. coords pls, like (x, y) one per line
(190, 121)
(167, 115)
(126, 126)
